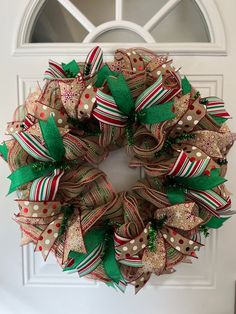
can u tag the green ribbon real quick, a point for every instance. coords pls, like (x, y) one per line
(186, 86)
(156, 114)
(52, 138)
(202, 182)
(4, 151)
(121, 93)
(110, 264)
(103, 74)
(26, 174)
(123, 98)
(216, 222)
(71, 69)
(92, 239)
(218, 120)
(35, 170)
(176, 193)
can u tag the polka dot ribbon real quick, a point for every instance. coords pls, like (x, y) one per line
(49, 217)
(178, 217)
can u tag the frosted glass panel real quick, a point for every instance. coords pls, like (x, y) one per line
(140, 12)
(97, 11)
(184, 22)
(55, 24)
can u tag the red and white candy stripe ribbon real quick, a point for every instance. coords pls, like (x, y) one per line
(108, 112)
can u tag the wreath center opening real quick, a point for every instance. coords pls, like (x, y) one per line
(116, 167)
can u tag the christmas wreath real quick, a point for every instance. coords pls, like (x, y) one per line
(66, 204)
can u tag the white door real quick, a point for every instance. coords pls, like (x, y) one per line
(200, 35)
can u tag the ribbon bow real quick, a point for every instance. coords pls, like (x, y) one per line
(46, 222)
(192, 179)
(100, 251)
(60, 227)
(152, 106)
(159, 239)
(92, 65)
(49, 158)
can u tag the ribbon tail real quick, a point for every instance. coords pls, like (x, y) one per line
(202, 182)
(32, 146)
(180, 243)
(155, 261)
(54, 70)
(4, 151)
(215, 222)
(121, 93)
(85, 263)
(121, 285)
(74, 239)
(93, 62)
(186, 86)
(216, 109)
(51, 135)
(110, 264)
(156, 113)
(103, 75)
(49, 236)
(27, 174)
(209, 200)
(141, 281)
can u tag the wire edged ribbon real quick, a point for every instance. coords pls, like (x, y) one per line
(48, 155)
(152, 106)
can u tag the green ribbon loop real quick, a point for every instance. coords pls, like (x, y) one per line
(35, 170)
(51, 136)
(215, 222)
(71, 69)
(4, 151)
(110, 264)
(218, 120)
(92, 239)
(123, 98)
(121, 93)
(176, 193)
(203, 182)
(103, 74)
(156, 113)
(186, 86)
(27, 174)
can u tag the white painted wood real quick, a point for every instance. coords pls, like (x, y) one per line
(30, 286)
(102, 28)
(77, 14)
(119, 9)
(161, 14)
